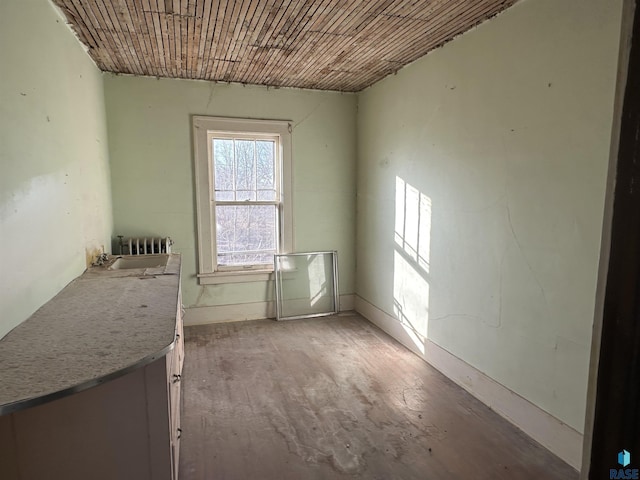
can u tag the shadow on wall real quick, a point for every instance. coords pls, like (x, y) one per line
(412, 239)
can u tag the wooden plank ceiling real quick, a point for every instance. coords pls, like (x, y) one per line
(343, 45)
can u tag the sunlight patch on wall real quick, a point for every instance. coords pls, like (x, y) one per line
(411, 261)
(413, 223)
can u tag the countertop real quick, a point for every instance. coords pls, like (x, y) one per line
(102, 325)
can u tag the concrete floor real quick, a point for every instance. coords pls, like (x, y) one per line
(336, 398)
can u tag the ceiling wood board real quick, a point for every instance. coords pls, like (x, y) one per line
(342, 45)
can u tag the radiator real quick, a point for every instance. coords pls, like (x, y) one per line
(144, 245)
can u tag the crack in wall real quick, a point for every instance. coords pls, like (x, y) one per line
(524, 257)
(212, 87)
(313, 110)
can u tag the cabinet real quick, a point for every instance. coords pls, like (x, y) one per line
(124, 428)
(175, 360)
(164, 392)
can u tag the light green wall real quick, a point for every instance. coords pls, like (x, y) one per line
(149, 124)
(55, 200)
(503, 135)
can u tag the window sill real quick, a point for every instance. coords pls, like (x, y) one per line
(216, 278)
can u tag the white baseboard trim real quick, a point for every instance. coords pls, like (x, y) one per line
(244, 311)
(347, 303)
(228, 313)
(559, 438)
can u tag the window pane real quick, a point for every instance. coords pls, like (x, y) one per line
(225, 195)
(245, 234)
(245, 170)
(245, 195)
(265, 154)
(268, 195)
(223, 167)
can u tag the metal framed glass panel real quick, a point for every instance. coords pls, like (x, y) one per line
(306, 284)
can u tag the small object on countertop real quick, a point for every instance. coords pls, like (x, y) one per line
(100, 259)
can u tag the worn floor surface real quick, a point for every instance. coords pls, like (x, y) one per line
(336, 398)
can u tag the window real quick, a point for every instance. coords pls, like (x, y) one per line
(243, 190)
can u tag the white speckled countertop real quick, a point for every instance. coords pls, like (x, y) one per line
(102, 325)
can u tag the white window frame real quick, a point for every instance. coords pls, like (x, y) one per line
(209, 272)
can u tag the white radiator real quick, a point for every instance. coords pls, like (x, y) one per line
(144, 245)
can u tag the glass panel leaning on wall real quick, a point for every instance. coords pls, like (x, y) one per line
(306, 284)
